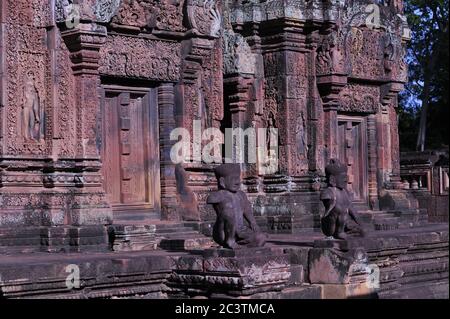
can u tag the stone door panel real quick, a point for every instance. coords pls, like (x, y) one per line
(130, 152)
(352, 149)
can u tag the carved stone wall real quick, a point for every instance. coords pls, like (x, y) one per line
(226, 64)
(41, 135)
(345, 67)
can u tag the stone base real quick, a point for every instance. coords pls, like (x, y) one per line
(298, 292)
(384, 264)
(412, 263)
(101, 275)
(348, 291)
(241, 272)
(342, 271)
(186, 244)
(53, 239)
(132, 237)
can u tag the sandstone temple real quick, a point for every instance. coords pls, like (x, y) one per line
(90, 92)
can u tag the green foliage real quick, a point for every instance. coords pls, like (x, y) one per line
(428, 55)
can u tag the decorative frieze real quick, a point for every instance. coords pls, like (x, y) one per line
(132, 57)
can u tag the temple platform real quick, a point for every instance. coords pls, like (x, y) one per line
(405, 263)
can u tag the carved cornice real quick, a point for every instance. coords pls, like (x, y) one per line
(196, 50)
(84, 43)
(294, 10)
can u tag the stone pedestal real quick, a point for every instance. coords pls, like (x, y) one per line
(132, 237)
(342, 269)
(221, 272)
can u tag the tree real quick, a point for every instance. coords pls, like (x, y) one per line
(426, 95)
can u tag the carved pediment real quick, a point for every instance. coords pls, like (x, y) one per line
(203, 17)
(95, 10)
(152, 14)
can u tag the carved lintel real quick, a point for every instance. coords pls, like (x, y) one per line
(132, 57)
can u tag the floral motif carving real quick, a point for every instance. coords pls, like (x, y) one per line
(66, 103)
(159, 14)
(34, 13)
(140, 58)
(360, 98)
(212, 83)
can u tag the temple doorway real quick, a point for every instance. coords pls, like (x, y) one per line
(130, 151)
(352, 149)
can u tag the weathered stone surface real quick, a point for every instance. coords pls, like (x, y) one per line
(101, 275)
(54, 239)
(234, 272)
(132, 237)
(332, 266)
(346, 291)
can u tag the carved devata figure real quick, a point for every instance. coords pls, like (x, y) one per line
(31, 111)
(338, 204)
(235, 224)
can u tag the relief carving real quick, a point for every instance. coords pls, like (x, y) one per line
(360, 39)
(205, 17)
(212, 83)
(27, 90)
(140, 58)
(325, 59)
(360, 98)
(238, 55)
(106, 9)
(32, 111)
(34, 13)
(158, 14)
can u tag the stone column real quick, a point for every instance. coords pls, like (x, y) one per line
(373, 163)
(166, 105)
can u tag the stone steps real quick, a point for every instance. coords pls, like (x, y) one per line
(124, 216)
(147, 234)
(181, 237)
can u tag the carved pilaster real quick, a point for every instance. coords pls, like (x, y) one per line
(84, 43)
(166, 104)
(237, 102)
(372, 161)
